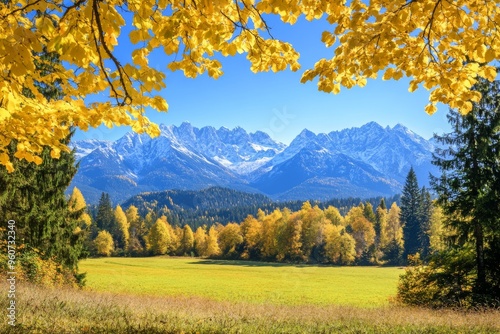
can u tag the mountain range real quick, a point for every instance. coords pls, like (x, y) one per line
(360, 162)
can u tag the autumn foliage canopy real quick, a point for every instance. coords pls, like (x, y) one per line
(442, 45)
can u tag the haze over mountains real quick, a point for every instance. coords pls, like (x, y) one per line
(358, 162)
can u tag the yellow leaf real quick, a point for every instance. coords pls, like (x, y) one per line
(4, 113)
(488, 72)
(490, 55)
(430, 109)
(55, 153)
(389, 73)
(413, 86)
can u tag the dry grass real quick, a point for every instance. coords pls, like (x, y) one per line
(42, 310)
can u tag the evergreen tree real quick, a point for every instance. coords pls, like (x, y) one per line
(105, 216)
(469, 186)
(33, 195)
(424, 213)
(368, 213)
(410, 215)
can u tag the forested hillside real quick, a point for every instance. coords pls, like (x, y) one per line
(223, 205)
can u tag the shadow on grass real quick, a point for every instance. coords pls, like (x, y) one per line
(249, 263)
(243, 263)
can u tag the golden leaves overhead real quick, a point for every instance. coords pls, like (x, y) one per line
(84, 34)
(442, 45)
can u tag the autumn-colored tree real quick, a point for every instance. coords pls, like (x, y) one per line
(212, 245)
(176, 234)
(270, 222)
(311, 217)
(437, 232)
(187, 241)
(159, 237)
(394, 230)
(200, 241)
(251, 229)
(104, 243)
(122, 236)
(362, 229)
(77, 204)
(84, 35)
(392, 247)
(333, 215)
(381, 226)
(443, 46)
(133, 217)
(340, 247)
(230, 239)
(289, 238)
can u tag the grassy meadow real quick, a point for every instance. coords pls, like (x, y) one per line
(246, 281)
(184, 295)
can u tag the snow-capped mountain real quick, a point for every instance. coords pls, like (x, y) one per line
(366, 161)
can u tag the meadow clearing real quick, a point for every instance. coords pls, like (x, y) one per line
(244, 281)
(189, 295)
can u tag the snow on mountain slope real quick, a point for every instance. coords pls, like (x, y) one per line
(366, 161)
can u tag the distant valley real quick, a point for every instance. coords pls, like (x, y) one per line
(363, 162)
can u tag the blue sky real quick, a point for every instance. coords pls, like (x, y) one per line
(278, 103)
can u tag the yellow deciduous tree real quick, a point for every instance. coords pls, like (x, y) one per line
(442, 45)
(83, 35)
(339, 245)
(229, 239)
(252, 236)
(187, 241)
(159, 237)
(104, 243)
(289, 238)
(123, 228)
(212, 245)
(393, 230)
(362, 230)
(200, 241)
(77, 204)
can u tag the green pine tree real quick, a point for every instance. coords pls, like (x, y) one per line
(469, 186)
(33, 195)
(105, 216)
(410, 219)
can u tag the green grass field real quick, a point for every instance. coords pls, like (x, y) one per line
(184, 295)
(246, 281)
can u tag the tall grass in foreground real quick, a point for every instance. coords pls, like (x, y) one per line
(42, 310)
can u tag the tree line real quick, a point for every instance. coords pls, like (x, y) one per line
(363, 235)
(222, 205)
